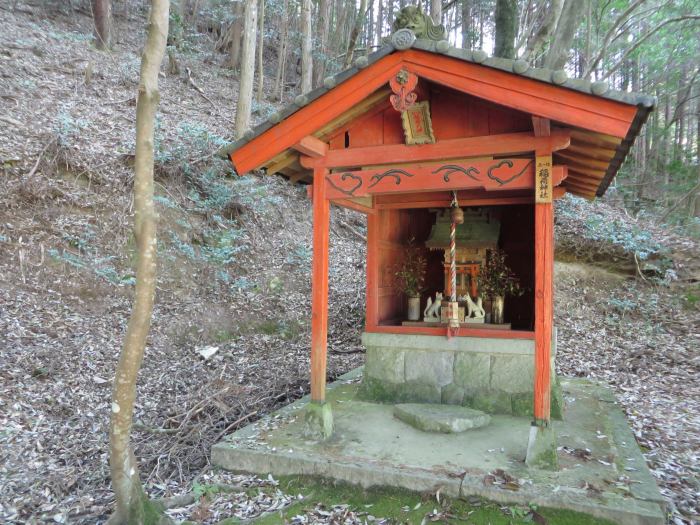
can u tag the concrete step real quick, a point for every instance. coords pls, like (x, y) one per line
(448, 419)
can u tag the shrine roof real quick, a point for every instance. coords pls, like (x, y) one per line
(517, 68)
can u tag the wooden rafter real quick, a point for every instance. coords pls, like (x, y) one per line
(311, 146)
(582, 183)
(370, 105)
(593, 152)
(582, 166)
(595, 139)
(595, 175)
(592, 163)
(280, 162)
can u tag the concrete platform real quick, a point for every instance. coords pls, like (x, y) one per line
(370, 447)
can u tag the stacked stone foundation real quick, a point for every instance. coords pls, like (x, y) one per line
(489, 374)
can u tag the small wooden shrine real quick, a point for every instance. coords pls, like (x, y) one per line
(404, 135)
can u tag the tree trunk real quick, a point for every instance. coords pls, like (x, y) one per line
(236, 32)
(322, 25)
(132, 506)
(306, 47)
(667, 153)
(102, 16)
(282, 56)
(587, 46)
(466, 24)
(369, 28)
(245, 86)
(569, 21)
(537, 41)
(506, 28)
(261, 35)
(354, 33)
(380, 22)
(436, 11)
(481, 26)
(343, 12)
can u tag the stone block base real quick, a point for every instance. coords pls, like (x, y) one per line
(493, 375)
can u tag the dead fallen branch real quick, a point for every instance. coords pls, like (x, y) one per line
(38, 160)
(198, 89)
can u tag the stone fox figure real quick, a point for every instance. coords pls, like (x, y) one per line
(422, 25)
(432, 309)
(474, 307)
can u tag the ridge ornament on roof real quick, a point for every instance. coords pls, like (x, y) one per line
(422, 25)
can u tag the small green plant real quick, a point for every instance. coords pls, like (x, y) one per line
(263, 109)
(300, 256)
(221, 336)
(286, 329)
(496, 279)
(201, 490)
(243, 284)
(409, 274)
(67, 127)
(598, 227)
(222, 246)
(100, 266)
(692, 297)
(165, 201)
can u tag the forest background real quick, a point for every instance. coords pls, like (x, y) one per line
(649, 46)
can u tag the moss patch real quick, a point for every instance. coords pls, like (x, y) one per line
(492, 402)
(401, 506)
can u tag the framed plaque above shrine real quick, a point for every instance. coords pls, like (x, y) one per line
(417, 125)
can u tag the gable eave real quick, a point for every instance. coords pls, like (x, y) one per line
(376, 70)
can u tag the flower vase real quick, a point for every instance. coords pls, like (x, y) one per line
(414, 308)
(497, 305)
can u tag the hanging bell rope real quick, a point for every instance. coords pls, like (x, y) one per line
(456, 217)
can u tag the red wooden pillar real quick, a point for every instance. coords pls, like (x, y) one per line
(544, 286)
(372, 261)
(319, 286)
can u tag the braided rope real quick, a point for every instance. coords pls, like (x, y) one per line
(453, 262)
(453, 253)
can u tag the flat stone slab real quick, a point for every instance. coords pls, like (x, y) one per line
(441, 418)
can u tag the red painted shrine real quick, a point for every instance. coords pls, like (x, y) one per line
(408, 129)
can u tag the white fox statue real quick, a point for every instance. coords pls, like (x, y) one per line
(431, 314)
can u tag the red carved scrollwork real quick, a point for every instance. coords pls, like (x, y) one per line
(403, 85)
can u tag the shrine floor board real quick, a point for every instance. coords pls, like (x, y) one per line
(485, 326)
